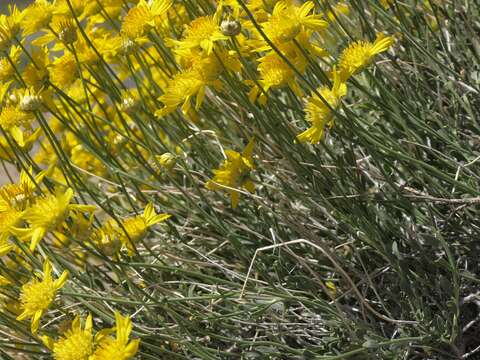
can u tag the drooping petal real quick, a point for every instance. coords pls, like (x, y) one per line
(60, 282)
(36, 321)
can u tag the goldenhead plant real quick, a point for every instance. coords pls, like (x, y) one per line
(234, 179)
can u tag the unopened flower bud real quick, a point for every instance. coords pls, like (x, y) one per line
(30, 103)
(110, 246)
(128, 46)
(68, 33)
(167, 160)
(129, 105)
(230, 27)
(13, 98)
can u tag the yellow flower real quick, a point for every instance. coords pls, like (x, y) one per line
(8, 219)
(66, 30)
(331, 288)
(36, 296)
(118, 348)
(288, 20)
(4, 86)
(48, 214)
(13, 200)
(275, 73)
(18, 196)
(255, 6)
(9, 27)
(62, 7)
(60, 27)
(318, 113)
(106, 239)
(7, 71)
(234, 173)
(359, 54)
(13, 119)
(106, 44)
(37, 16)
(86, 160)
(167, 160)
(180, 90)
(112, 236)
(76, 343)
(193, 82)
(203, 33)
(29, 138)
(135, 228)
(64, 71)
(97, 11)
(79, 227)
(30, 100)
(36, 73)
(141, 18)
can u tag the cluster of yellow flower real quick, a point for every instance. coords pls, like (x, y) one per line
(81, 48)
(30, 212)
(76, 343)
(87, 86)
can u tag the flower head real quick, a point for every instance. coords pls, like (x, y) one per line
(193, 82)
(179, 92)
(9, 27)
(37, 295)
(275, 73)
(359, 54)
(64, 71)
(318, 113)
(13, 120)
(202, 33)
(113, 235)
(135, 228)
(18, 196)
(141, 18)
(386, 3)
(62, 7)
(75, 344)
(7, 71)
(7, 149)
(288, 20)
(167, 160)
(48, 213)
(67, 31)
(119, 347)
(36, 73)
(234, 173)
(105, 238)
(31, 101)
(37, 16)
(8, 219)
